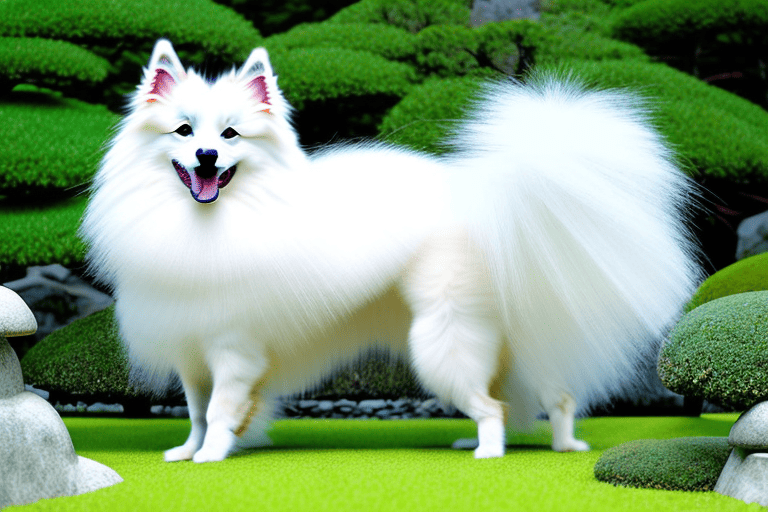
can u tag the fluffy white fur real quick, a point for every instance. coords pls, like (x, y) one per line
(530, 270)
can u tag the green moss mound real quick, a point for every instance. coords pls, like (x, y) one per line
(658, 23)
(322, 74)
(47, 62)
(377, 38)
(50, 143)
(424, 118)
(85, 357)
(719, 351)
(411, 15)
(747, 275)
(41, 234)
(683, 464)
(201, 23)
(718, 133)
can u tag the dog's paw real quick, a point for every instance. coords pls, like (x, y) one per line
(571, 445)
(489, 452)
(209, 455)
(182, 452)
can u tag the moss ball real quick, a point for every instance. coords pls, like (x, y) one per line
(719, 351)
(84, 358)
(747, 275)
(683, 464)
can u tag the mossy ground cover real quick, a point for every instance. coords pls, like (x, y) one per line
(343, 465)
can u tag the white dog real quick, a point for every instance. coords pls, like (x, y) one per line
(530, 270)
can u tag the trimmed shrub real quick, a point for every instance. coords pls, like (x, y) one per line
(41, 234)
(386, 40)
(84, 358)
(51, 143)
(719, 351)
(48, 63)
(314, 74)
(656, 24)
(718, 133)
(747, 275)
(200, 23)
(683, 464)
(424, 118)
(446, 50)
(411, 15)
(509, 46)
(559, 42)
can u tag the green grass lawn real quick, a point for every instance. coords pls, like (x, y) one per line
(359, 465)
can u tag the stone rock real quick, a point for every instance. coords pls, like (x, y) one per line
(37, 459)
(751, 429)
(752, 236)
(11, 381)
(58, 282)
(16, 319)
(745, 477)
(486, 11)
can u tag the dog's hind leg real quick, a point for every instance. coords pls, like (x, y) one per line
(455, 339)
(235, 375)
(561, 409)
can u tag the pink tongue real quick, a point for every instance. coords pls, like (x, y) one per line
(204, 189)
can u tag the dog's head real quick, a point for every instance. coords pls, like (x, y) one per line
(205, 130)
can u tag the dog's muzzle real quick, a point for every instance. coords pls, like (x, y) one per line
(207, 178)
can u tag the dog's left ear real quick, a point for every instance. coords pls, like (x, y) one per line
(257, 72)
(163, 72)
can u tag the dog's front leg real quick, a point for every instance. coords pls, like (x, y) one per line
(196, 379)
(235, 374)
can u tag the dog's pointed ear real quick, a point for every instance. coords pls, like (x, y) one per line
(257, 73)
(163, 72)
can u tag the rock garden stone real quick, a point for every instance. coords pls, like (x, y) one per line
(752, 236)
(745, 475)
(45, 285)
(37, 459)
(719, 351)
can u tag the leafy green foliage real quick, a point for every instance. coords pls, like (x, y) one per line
(377, 38)
(41, 234)
(719, 351)
(200, 23)
(411, 15)
(51, 143)
(446, 50)
(747, 275)
(682, 464)
(48, 63)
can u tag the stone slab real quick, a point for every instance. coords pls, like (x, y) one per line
(745, 477)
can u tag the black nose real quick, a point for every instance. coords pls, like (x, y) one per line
(207, 157)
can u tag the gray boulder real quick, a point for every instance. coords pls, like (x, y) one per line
(745, 475)
(37, 459)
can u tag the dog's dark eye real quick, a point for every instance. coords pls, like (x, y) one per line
(184, 130)
(229, 133)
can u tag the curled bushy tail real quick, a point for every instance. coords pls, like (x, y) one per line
(580, 210)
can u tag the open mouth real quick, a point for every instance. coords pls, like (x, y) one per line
(204, 183)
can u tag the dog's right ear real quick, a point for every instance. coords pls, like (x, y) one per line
(163, 72)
